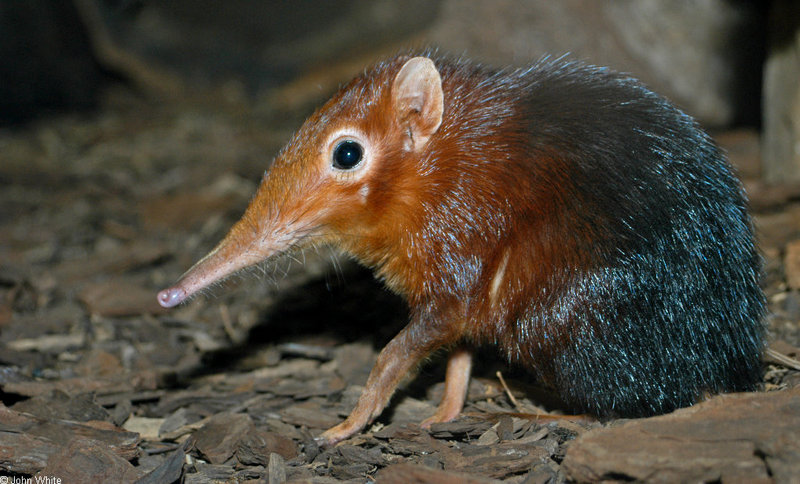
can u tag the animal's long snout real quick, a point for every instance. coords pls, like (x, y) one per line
(239, 249)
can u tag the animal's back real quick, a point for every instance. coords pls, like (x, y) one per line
(652, 296)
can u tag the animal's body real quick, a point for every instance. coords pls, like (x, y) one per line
(564, 213)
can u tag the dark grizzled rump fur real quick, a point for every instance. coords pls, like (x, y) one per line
(667, 306)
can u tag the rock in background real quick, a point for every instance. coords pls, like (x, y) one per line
(781, 147)
(703, 55)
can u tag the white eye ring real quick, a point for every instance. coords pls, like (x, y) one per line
(348, 154)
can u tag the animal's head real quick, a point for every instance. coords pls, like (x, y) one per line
(347, 177)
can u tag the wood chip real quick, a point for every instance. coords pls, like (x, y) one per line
(405, 473)
(258, 444)
(309, 415)
(277, 469)
(27, 442)
(48, 343)
(60, 405)
(464, 427)
(85, 460)
(118, 298)
(792, 264)
(169, 471)
(148, 428)
(740, 437)
(220, 437)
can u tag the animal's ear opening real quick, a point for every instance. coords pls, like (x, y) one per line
(418, 101)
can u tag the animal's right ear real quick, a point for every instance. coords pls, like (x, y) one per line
(418, 101)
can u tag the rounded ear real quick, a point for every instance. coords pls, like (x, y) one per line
(418, 101)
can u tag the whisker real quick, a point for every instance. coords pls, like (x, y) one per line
(337, 268)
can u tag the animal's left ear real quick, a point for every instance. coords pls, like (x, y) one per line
(418, 101)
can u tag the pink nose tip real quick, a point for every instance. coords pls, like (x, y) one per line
(171, 297)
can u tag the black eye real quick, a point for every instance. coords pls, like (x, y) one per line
(347, 155)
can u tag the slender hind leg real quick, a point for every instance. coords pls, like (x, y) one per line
(456, 382)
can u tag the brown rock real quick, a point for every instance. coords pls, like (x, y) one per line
(781, 147)
(744, 437)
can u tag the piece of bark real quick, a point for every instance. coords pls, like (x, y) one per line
(765, 196)
(210, 474)
(258, 444)
(99, 363)
(309, 414)
(99, 386)
(465, 427)
(118, 298)
(404, 473)
(219, 438)
(84, 460)
(60, 405)
(792, 264)
(501, 460)
(21, 453)
(147, 427)
(112, 261)
(778, 228)
(354, 361)
(276, 469)
(170, 470)
(56, 343)
(353, 453)
(27, 441)
(301, 389)
(742, 437)
(743, 148)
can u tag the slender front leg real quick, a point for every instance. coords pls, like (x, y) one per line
(456, 383)
(413, 344)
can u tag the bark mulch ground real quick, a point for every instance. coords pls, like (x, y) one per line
(100, 384)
